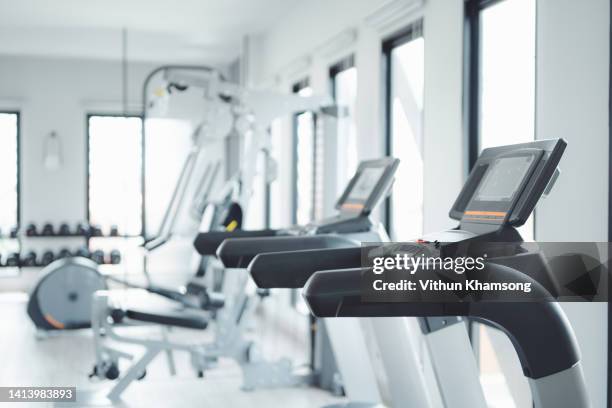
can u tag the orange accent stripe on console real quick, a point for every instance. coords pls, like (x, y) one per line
(489, 213)
(352, 206)
(54, 323)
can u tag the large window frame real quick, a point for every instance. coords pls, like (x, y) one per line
(346, 130)
(472, 89)
(88, 116)
(407, 34)
(17, 114)
(268, 184)
(472, 57)
(296, 88)
(260, 191)
(273, 157)
(337, 68)
(473, 76)
(295, 301)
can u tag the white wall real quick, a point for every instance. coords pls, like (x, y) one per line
(572, 102)
(56, 95)
(443, 107)
(306, 28)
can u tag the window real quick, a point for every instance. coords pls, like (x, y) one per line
(305, 168)
(275, 196)
(9, 168)
(256, 216)
(502, 77)
(305, 159)
(343, 77)
(501, 103)
(168, 141)
(115, 173)
(405, 60)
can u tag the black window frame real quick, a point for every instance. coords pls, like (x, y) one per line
(17, 113)
(295, 88)
(266, 156)
(471, 103)
(471, 79)
(338, 67)
(404, 36)
(267, 183)
(88, 116)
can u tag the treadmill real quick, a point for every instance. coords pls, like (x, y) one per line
(499, 195)
(370, 183)
(351, 226)
(363, 379)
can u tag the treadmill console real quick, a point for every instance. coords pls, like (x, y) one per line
(363, 193)
(506, 183)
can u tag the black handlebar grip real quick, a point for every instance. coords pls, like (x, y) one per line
(207, 243)
(237, 253)
(293, 269)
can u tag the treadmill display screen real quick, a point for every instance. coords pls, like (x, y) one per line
(504, 178)
(365, 184)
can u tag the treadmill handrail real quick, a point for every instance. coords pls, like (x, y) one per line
(239, 252)
(528, 324)
(292, 269)
(207, 243)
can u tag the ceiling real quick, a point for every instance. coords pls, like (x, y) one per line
(180, 31)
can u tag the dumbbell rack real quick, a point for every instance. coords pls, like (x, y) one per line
(22, 243)
(44, 242)
(128, 263)
(22, 278)
(9, 245)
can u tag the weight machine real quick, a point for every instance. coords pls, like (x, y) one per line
(251, 113)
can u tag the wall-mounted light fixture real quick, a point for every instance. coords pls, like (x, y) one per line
(52, 155)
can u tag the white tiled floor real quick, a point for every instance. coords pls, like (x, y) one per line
(66, 360)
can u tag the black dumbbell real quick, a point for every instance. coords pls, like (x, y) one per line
(82, 252)
(30, 259)
(98, 256)
(31, 230)
(14, 232)
(64, 253)
(48, 229)
(82, 229)
(13, 259)
(64, 229)
(47, 258)
(115, 257)
(95, 231)
(114, 231)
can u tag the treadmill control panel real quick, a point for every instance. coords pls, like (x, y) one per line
(363, 193)
(506, 183)
(368, 186)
